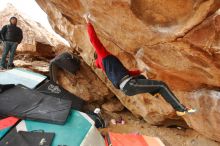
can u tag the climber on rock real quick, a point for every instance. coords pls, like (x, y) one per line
(130, 82)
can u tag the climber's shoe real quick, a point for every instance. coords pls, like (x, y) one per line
(179, 113)
(187, 111)
(190, 110)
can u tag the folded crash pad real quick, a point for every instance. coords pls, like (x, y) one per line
(37, 138)
(25, 103)
(23, 138)
(79, 130)
(6, 124)
(117, 139)
(65, 61)
(21, 76)
(52, 89)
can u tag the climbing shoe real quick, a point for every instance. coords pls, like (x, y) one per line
(190, 110)
(187, 111)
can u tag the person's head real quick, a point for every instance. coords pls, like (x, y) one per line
(13, 20)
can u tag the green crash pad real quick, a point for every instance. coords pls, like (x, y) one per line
(70, 134)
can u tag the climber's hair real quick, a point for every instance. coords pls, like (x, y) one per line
(95, 55)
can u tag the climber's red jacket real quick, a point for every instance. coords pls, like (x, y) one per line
(101, 50)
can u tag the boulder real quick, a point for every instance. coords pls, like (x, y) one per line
(84, 84)
(114, 105)
(178, 41)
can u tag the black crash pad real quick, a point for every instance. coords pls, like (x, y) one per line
(5, 87)
(23, 138)
(25, 103)
(65, 61)
(52, 89)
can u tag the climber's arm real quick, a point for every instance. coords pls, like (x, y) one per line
(100, 49)
(93, 37)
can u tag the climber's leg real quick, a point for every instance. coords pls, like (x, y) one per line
(137, 86)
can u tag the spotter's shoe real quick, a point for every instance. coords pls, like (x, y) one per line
(11, 66)
(2, 68)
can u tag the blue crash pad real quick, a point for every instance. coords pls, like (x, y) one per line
(21, 76)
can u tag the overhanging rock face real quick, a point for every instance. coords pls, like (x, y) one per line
(177, 40)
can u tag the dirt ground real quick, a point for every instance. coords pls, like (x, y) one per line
(175, 136)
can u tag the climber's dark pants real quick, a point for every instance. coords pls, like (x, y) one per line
(140, 84)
